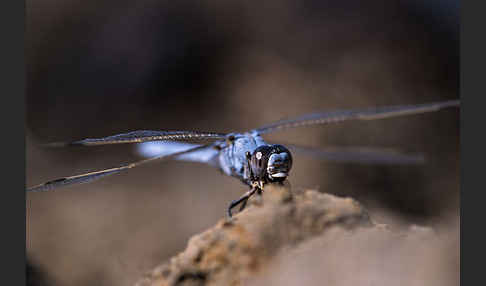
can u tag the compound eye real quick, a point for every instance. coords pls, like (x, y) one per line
(259, 161)
(259, 155)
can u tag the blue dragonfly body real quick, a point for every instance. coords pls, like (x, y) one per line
(230, 156)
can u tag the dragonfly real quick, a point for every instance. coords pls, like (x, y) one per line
(246, 156)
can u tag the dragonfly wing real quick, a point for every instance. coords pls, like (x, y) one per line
(357, 114)
(142, 136)
(162, 148)
(359, 155)
(92, 176)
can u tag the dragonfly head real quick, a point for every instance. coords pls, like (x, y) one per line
(271, 163)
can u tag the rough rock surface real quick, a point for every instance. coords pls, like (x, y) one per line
(235, 250)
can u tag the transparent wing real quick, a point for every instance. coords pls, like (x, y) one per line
(358, 114)
(142, 136)
(92, 176)
(359, 155)
(158, 148)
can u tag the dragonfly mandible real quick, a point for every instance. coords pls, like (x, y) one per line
(245, 155)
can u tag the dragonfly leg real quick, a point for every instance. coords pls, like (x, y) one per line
(243, 199)
(243, 204)
(258, 190)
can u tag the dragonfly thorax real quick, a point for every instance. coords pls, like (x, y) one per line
(270, 163)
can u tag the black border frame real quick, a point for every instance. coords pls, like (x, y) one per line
(472, 49)
(12, 204)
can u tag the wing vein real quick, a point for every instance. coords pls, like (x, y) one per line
(358, 114)
(92, 176)
(140, 136)
(359, 155)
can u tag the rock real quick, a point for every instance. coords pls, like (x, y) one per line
(235, 250)
(375, 256)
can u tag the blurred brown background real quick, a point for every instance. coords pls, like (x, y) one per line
(106, 67)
